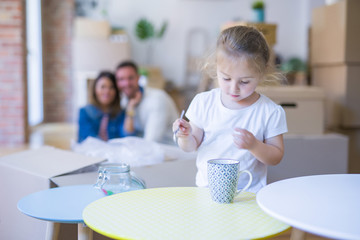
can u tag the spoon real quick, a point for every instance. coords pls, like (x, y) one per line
(175, 132)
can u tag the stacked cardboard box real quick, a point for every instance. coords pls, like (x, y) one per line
(269, 30)
(303, 105)
(335, 61)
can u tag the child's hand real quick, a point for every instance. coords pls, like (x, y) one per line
(244, 139)
(182, 127)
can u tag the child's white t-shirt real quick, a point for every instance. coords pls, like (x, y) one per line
(264, 119)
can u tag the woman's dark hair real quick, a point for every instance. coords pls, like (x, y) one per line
(115, 104)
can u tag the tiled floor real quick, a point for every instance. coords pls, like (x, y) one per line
(61, 135)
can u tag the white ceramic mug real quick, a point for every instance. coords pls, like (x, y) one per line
(223, 178)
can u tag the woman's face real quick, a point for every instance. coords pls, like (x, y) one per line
(237, 81)
(105, 91)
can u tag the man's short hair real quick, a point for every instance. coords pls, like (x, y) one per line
(127, 64)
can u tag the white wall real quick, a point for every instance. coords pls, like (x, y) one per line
(291, 16)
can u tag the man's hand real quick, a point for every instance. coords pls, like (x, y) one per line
(133, 102)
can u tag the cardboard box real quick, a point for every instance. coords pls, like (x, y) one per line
(177, 173)
(98, 54)
(303, 105)
(335, 34)
(269, 30)
(155, 77)
(354, 148)
(341, 84)
(311, 154)
(90, 28)
(304, 155)
(27, 172)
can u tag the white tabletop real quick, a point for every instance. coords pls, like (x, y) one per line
(326, 205)
(62, 204)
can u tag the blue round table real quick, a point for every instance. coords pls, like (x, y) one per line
(61, 205)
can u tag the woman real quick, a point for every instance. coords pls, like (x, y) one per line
(103, 117)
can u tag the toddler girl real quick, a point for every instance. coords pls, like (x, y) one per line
(234, 121)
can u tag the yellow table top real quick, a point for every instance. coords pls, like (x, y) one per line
(179, 213)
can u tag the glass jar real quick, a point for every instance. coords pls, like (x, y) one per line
(116, 178)
(101, 170)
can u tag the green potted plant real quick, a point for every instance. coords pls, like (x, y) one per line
(258, 8)
(295, 70)
(146, 32)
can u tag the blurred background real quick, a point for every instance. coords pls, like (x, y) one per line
(51, 50)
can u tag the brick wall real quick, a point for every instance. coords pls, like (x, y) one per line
(57, 18)
(13, 110)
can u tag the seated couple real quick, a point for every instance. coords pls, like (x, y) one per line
(119, 107)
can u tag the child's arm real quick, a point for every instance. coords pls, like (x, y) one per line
(269, 152)
(189, 136)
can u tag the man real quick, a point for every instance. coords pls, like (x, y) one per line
(153, 109)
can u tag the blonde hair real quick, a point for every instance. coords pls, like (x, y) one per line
(242, 42)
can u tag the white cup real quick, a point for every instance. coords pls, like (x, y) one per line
(223, 178)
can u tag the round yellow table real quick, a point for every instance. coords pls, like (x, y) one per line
(179, 213)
